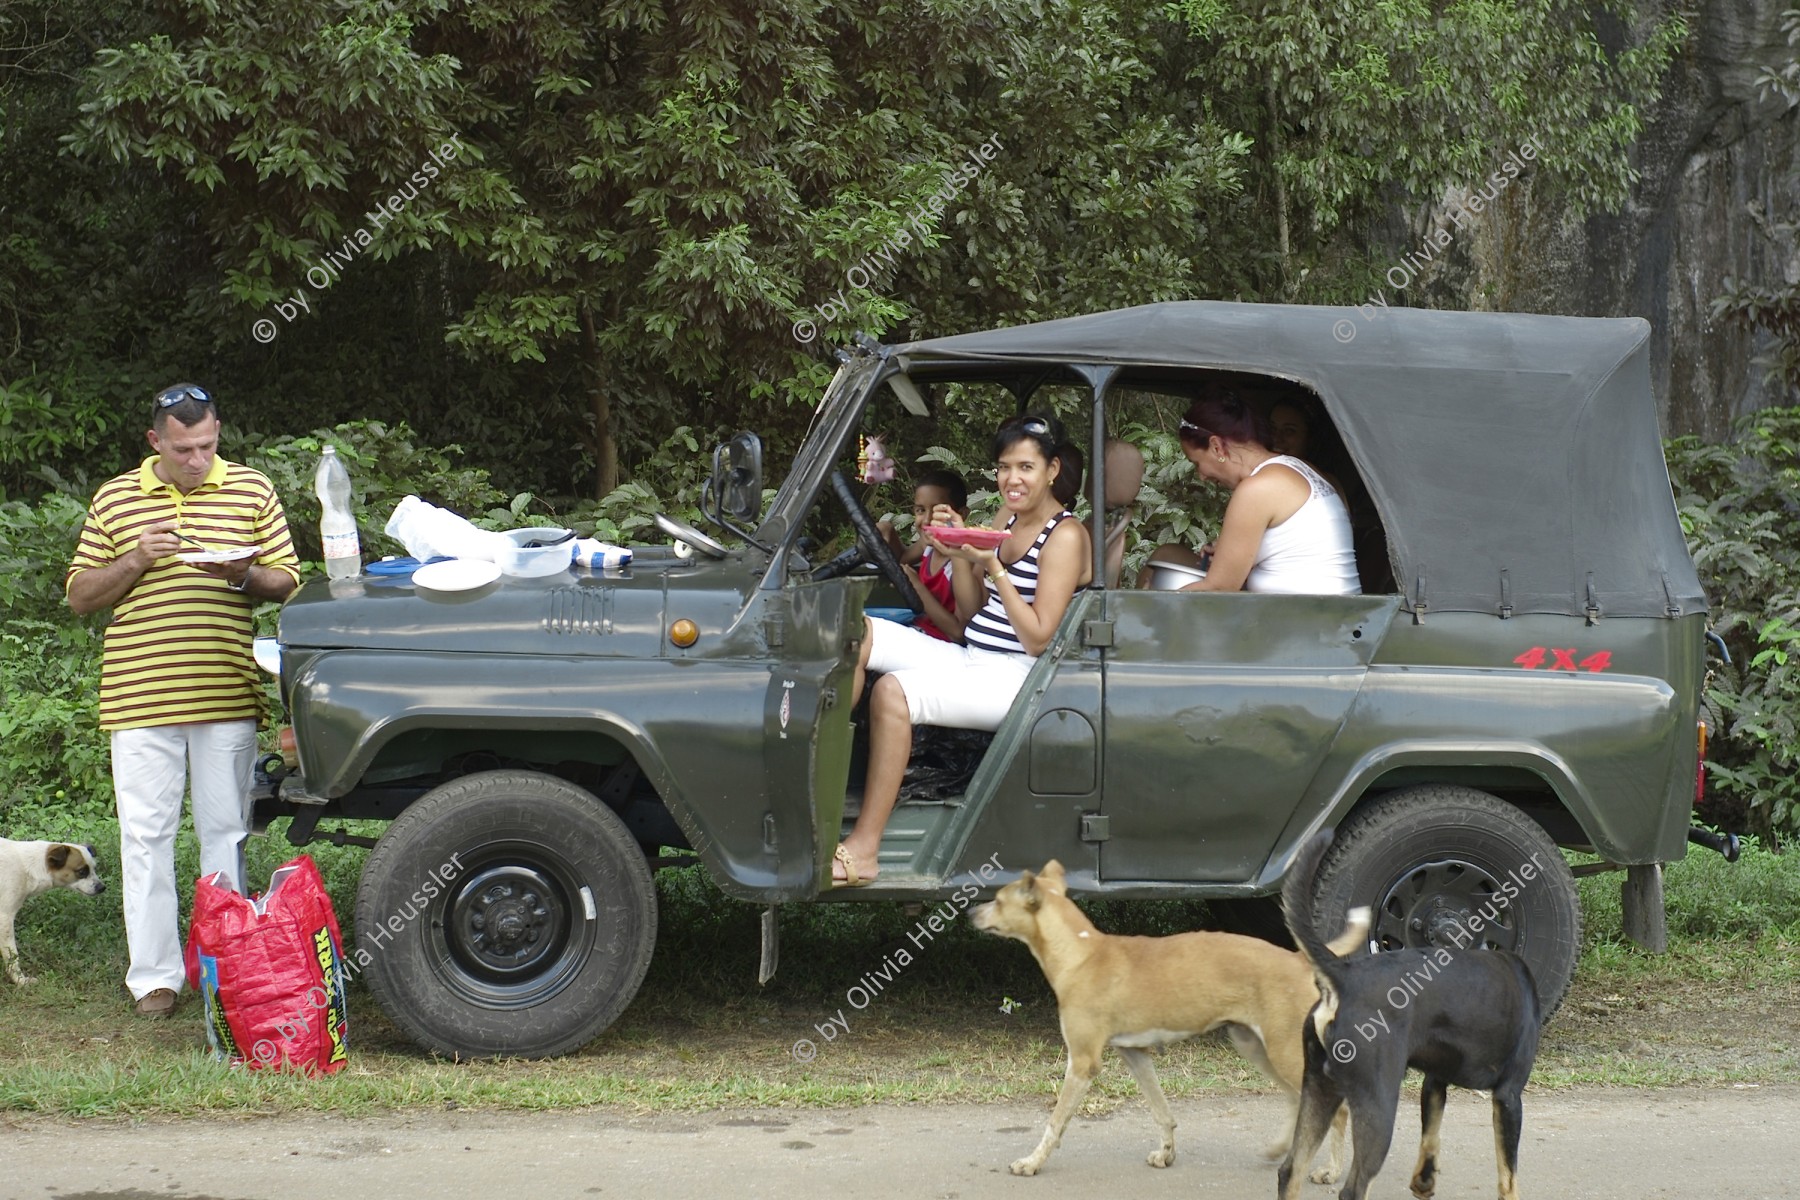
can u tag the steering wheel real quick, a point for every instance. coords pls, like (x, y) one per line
(693, 537)
(870, 544)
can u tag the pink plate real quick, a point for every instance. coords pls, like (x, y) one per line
(981, 539)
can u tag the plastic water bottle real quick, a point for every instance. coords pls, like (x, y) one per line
(337, 524)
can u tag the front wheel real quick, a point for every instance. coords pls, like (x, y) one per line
(505, 913)
(1455, 868)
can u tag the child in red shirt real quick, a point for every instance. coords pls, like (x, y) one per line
(931, 578)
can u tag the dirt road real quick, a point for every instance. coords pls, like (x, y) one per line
(1589, 1144)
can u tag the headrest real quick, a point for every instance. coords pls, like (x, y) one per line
(1124, 472)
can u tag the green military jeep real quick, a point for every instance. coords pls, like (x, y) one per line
(1529, 679)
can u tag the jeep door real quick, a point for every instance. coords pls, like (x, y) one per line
(1218, 709)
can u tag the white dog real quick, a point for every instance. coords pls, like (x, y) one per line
(27, 868)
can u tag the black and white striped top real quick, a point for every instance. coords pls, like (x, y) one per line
(991, 629)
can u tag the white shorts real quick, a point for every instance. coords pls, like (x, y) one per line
(946, 684)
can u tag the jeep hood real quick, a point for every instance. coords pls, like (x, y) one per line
(613, 614)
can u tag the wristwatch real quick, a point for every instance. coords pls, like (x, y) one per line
(243, 585)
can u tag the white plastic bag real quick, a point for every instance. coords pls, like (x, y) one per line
(428, 532)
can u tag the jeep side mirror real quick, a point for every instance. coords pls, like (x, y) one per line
(737, 476)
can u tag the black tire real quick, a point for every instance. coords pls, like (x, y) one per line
(502, 957)
(1428, 859)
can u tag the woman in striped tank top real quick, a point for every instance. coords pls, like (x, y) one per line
(1009, 603)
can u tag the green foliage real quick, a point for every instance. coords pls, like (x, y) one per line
(1706, 897)
(50, 659)
(1783, 79)
(1174, 507)
(385, 466)
(44, 427)
(668, 481)
(1350, 103)
(80, 940)
(49, 724)
(641, 209)
(1738, 510)
(36, 541)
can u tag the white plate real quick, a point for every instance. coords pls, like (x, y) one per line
(456, 575)
(267, 653)
(217, 556)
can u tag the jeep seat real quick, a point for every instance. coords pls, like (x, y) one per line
(1124, 470)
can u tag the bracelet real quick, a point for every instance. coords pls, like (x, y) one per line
(243, 585)
(996, 572)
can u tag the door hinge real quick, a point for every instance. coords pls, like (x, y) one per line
(1095, 827)
(1097, 633)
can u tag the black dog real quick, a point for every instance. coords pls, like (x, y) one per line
(1464, 1017)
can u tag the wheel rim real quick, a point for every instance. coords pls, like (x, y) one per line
(1433, 904)
(514, 933)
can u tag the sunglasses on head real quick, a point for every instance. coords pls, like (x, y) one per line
(170, 397)
(1189, 429)
(1035, 426)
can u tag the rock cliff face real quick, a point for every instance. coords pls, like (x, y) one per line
(1718, 166)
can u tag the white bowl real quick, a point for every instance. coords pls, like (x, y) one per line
(531, 561)
(1169, 576)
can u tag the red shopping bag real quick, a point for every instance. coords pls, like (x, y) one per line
(272, 972)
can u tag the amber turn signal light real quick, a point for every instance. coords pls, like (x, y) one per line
(684, 633)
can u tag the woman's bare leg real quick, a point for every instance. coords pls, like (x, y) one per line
(890, 745)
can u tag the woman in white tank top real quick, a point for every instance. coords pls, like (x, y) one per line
(1286, 529)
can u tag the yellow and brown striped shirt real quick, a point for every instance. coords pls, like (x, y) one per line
(178, 647)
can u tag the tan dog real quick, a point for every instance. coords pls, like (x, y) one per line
(1137, 992)
(27, 868)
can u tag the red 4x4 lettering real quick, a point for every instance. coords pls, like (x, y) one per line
(1564, 660)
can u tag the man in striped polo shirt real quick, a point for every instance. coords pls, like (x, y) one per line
(177, 680)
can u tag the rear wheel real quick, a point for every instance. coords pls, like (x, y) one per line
(1453, 867)
(505, 913)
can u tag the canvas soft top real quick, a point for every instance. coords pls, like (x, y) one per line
(1515, 459)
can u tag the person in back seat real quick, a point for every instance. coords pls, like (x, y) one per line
(1286, 528)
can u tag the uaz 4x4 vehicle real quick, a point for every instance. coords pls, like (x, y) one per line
(1531, 680)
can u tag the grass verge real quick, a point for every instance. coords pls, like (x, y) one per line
(969, 1019)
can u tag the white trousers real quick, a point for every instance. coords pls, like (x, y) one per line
(150, 770)
(963, 687)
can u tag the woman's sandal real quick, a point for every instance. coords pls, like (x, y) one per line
(851, 878)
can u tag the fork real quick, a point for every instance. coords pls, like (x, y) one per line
(193, 542)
